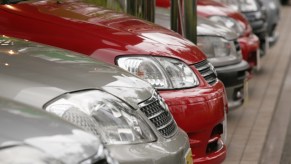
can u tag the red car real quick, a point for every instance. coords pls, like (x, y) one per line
(175, 66)
(220, 13)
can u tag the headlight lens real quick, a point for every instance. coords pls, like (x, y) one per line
(231, 23)
(161, 72)
(25, 154)
(216, 47)
(103, 114)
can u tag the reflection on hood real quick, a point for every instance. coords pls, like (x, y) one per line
(28, 70)
(207, 27)
(70, 148)
(116, 33)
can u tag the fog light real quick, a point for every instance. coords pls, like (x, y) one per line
(238, 94)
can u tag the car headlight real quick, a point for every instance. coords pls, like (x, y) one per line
(161, 72)
(231, 23)
(217, 47)
(25, 154)
(102, 114)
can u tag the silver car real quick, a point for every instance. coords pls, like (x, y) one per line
(32, 136)
(254, 10)
(128, 114)
(223, 52)
(273, 17)
(256, 14)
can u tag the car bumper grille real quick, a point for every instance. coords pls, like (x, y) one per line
(159, 116)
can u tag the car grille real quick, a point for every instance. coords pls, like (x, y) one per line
(160, 117)
(207, 71)
(257, 23)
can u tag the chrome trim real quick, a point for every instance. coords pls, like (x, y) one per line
(158, 110)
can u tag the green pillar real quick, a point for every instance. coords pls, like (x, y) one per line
(184, 18)
(144, 9)
(175, 10)
(190, 12)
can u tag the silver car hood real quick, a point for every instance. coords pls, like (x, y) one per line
(207, 27)
(26, 126)
(35, 74)
(204, 25)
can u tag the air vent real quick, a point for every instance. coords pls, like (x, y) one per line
(159, 116)
(207, 71)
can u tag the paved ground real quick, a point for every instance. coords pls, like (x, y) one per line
(257, 131)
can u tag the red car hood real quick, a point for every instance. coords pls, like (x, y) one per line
(208, 8)
(115, 33)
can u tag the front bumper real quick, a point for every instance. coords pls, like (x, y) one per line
(170, 151)
(233, 78)
(200, 112)
(250, 46)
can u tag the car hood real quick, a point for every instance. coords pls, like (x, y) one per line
(204, 26)
(119, 32)
(211, 7)
(207, 27)
(208, 8)
(23, 125)
(35, 74)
